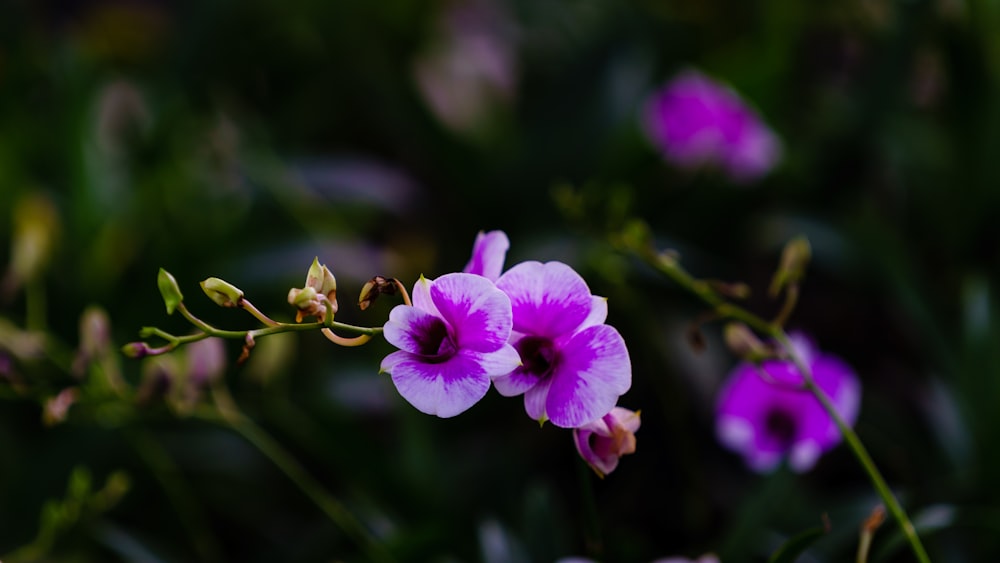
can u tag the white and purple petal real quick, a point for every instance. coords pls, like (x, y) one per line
(488, 255)
(479, 313)
(444, 389)
(421, 296)
(593, 370)
(548, 300)
(411, 329)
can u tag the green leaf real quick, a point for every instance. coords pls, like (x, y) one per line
(795, 546)
(168, 289)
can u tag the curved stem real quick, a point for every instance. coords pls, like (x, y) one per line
(248, 307)
(348, 342)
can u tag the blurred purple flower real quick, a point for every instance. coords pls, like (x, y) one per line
(603, 441)
(488, 255)
(696, 121)
(769, 417)
(451, 341)
(573, 366)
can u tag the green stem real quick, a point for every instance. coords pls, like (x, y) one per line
(228, 415)
(273, 327)
(860, 452)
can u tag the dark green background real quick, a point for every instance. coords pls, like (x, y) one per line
(254, 116)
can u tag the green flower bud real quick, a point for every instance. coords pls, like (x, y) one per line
(321, 279)
(222, 292)
(301, 298)
(794, 259)
(172, 296)
(744, 343)
(36, 227)
(135, 350)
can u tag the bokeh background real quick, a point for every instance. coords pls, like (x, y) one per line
(241, 139)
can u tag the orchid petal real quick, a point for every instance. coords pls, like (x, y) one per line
(548, 300)
(443, 389)
(408, 328)
(488, 255)
(478, 311)
(593, 371)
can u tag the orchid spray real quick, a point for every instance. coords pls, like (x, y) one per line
(767, 424)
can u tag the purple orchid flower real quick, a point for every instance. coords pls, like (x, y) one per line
(603, 441)
(767, 418)
(696, 121)
(488, 254)
(451, 341)
(573, 366)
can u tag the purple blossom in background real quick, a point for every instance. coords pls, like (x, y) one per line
(696, 121)
(573, 366)
(451, 342)
(769, 420)
(488, 254)
(603, 441)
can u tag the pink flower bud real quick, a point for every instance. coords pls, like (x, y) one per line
(603, 441)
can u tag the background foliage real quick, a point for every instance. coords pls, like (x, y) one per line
(240, 139)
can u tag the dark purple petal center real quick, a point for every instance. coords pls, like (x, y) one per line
(435, 342)
(780, 426)
(538, 355)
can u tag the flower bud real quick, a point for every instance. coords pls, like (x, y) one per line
(135, 350)
(222, 292)
(57, 408)
(321, 278)
(95, 331)
(602, 442)
(172, 296)
(36, 224)
(373, 288)
(794, 259)
(318, 296)
(744, 343)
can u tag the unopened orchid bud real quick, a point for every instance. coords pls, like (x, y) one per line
(95, 331)
(57, 408)
(222, 292)
(95, 339)
(301, 298)
(321, 279)
(135, 350)
(374, 287)
(602, 442)
(36, 224)
(171, 293)
(792, 269)
(744, 343)
(319, 295)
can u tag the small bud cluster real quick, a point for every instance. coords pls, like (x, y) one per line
(318, 298)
